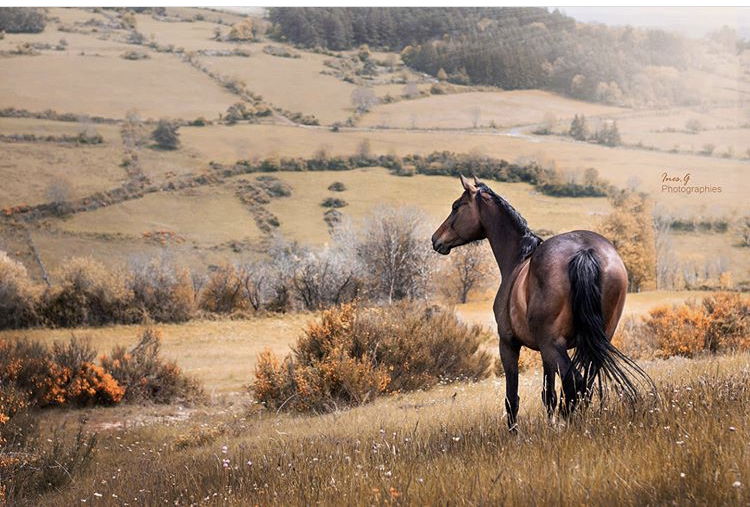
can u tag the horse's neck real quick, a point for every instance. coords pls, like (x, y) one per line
(504, 238)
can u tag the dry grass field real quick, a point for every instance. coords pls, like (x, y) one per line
(223, 353)
(29, 170)
(473, 109)
(621, 166)
(302, 216)
(205, 216)
(191, 36)
(110, 86)
(287, 83)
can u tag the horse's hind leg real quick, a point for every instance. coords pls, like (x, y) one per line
(549, 397)
(558, 360)
(509, 353)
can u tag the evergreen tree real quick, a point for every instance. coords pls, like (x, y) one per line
(166, 136)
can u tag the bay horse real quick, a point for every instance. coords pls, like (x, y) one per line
(564, 292)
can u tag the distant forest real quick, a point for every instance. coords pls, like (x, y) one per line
(508, 47)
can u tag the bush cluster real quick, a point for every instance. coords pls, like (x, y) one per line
(34, 376)
(86, 293)
(386, 259)
(146, 376)
(718, 323)
(354, 354)
(21, 20)
(65, 374)
(549, 181)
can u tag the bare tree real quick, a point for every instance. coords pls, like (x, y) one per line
(411, 90)
(363, 99)
(326, 277)
(363, 149)
(667, 265)
(476, 116)
(469, 268)
(743, 230)
(395, 253)
(255, 278)
(58, 191)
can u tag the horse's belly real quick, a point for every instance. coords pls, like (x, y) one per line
(518, 309)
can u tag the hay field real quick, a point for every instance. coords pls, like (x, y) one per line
(206, 216)
(191, 36)
(302, 216)
(109, 86)
(621, 166)
(724, 252)
(29, 170)
(291, 83)
(729, 143)
(10, 126)
(295, 84)
(466, 110)
(92, 45)
(55, 247)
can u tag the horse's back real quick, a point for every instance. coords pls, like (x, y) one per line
(540, 301)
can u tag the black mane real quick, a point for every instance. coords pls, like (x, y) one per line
(529, 240)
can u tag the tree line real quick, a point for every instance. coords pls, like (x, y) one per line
(512, 48)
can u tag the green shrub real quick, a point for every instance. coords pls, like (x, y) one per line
(21, 20)
(355, 355)
(333, 202)
(166, 136)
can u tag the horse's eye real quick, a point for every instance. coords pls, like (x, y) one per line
(456, 205)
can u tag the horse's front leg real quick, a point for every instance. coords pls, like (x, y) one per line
(509, 352)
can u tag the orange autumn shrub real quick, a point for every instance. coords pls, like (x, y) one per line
(720, 322)
(354, 355)
(678, 330)
(13, 404)
(729, 322)
(61, 376)
(91, 385)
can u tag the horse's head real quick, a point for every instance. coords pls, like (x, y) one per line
(463, 224)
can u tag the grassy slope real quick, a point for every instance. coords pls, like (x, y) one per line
(448, 444)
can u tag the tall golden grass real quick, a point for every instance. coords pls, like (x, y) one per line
(447, 446)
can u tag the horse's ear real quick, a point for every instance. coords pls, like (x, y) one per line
(476, 181)
(468, 185)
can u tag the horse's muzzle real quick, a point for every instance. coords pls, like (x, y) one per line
(440, 247)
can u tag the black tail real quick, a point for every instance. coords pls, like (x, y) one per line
(595, 358)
